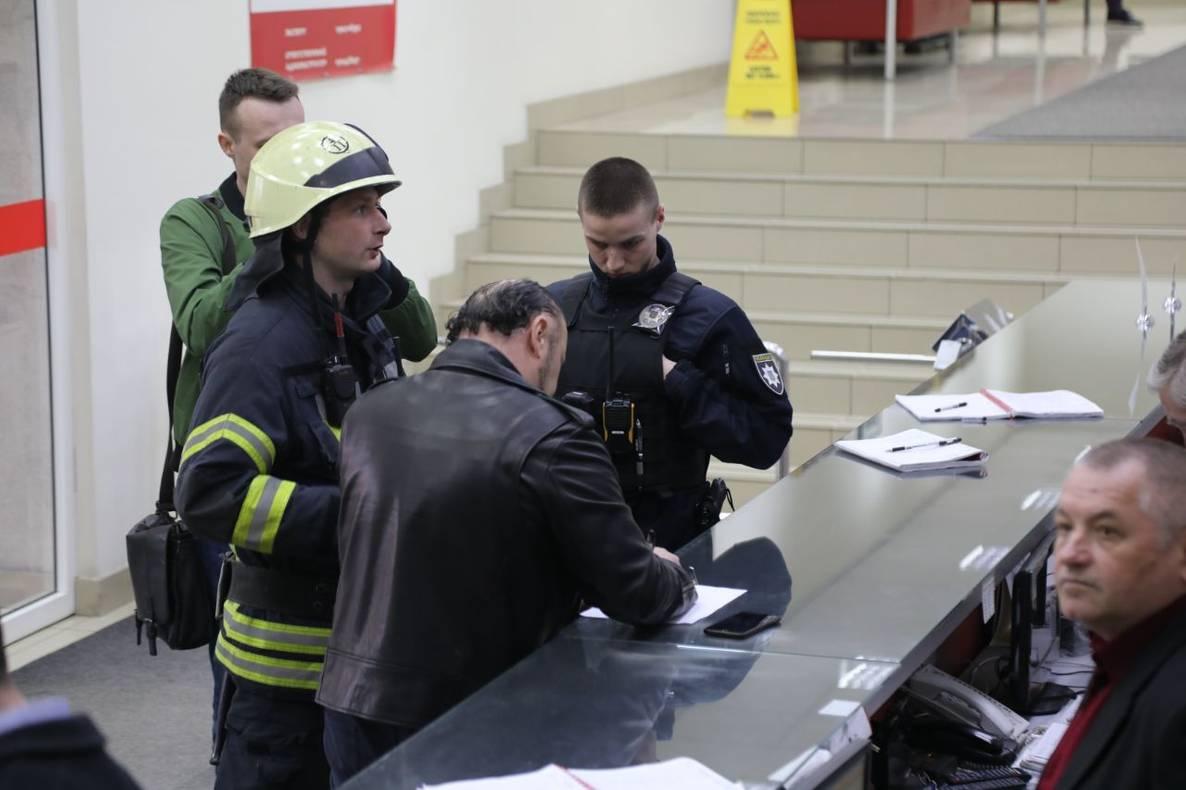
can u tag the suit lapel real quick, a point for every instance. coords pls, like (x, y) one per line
(1118, 707)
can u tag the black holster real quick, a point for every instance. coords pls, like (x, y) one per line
(708, 510)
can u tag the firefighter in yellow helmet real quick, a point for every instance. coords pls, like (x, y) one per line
(259, 467)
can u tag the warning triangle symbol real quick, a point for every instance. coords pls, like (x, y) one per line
(761, 48)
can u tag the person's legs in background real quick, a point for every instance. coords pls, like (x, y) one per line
(351, 743)
(211, 555)
(1119, 15)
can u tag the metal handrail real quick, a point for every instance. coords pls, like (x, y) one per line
(871, 356)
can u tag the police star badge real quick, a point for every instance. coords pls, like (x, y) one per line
(654, 317)
(768, 372)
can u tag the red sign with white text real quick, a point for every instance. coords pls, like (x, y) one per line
(311, 39)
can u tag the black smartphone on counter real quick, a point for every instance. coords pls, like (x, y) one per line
(742, 625)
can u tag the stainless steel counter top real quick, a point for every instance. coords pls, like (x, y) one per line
(883, 567)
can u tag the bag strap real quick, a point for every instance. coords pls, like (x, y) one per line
(164, 505)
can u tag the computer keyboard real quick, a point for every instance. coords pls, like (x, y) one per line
(990, 784)
(964, 775)
(984, 777)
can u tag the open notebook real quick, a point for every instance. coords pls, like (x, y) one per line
(999, 405)
(914, 450)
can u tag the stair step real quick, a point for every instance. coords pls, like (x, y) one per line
(902, 198)
(800, 288)
(576, 265)
(813, 432)
(851, 389)
(1020, 181)
(738, 472)
(1048, 248)
(811, 156)
(800, 333)
(822, 319)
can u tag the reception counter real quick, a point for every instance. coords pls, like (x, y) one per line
(870, 570)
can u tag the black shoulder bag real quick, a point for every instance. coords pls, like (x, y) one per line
(172, 595)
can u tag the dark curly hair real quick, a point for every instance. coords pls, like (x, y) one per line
(503, 306)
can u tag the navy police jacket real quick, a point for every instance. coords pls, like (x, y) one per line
(724, 397)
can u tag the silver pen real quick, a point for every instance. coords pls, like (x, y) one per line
(941, 443)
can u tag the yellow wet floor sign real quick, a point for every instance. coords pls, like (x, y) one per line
(763, 74)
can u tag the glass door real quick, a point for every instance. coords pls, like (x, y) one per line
(34, 589)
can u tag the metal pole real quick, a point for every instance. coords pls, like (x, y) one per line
(891, 38)
(870, 356)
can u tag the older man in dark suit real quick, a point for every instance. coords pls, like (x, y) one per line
(1120, 565)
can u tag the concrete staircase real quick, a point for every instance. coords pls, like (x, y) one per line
(853, 245)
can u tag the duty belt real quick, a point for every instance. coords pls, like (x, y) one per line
(283, 592)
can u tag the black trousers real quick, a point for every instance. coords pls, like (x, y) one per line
(211, 556)
(670, 517)
(352, 743)
(272, 743)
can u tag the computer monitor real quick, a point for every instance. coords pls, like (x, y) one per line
(1029, 610)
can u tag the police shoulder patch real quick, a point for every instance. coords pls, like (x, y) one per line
(768, 372)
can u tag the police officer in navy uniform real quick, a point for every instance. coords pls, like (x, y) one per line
(260, 467)
(671, 369)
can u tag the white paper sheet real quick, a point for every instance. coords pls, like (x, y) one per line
(550, 777)
(710, 599)
(681, 772)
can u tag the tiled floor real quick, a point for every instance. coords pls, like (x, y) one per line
(995, 77)
(59, 635)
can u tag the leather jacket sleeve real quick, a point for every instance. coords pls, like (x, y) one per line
(599, 541)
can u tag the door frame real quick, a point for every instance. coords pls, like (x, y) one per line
(62, 223)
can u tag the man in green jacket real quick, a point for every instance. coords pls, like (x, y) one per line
(255, 104)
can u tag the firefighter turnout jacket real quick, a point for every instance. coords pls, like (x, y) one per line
(259, 468)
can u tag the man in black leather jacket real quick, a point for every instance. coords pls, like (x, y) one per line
(477, 513)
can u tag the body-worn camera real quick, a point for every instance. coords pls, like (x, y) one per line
(617, 424)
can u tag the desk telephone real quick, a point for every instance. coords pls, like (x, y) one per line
(957, 719)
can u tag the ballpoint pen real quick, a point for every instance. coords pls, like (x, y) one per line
(959, 405)
(942, 443)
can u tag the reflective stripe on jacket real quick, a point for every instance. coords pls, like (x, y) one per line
(259, 469)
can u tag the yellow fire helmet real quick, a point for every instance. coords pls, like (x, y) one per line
(305, 165)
